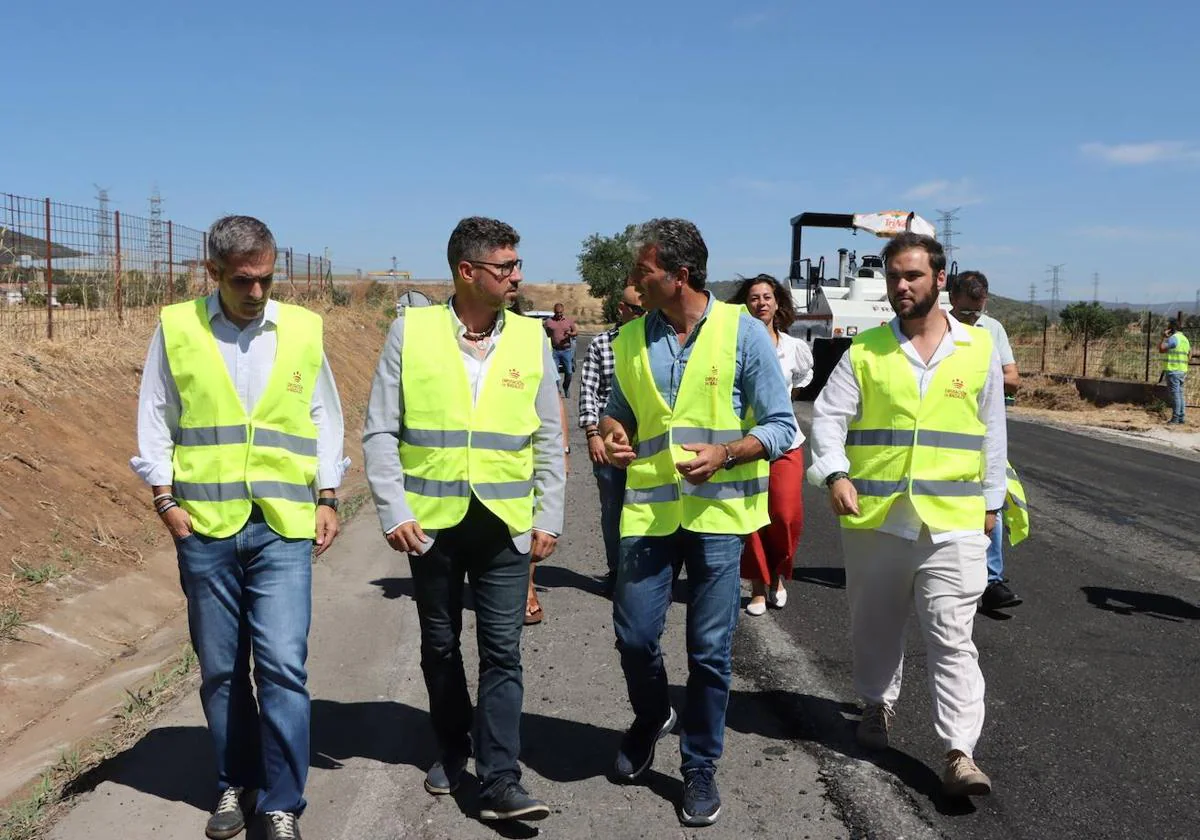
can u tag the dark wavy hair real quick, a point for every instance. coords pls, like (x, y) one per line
(786, 313)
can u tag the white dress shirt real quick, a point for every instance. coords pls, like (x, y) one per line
(796, 361)
(249, 355)
(840, 403)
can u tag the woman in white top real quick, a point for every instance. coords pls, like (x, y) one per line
(767, 557)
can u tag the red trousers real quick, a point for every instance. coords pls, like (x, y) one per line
(770, 549)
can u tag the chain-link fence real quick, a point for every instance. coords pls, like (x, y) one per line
(1131, 355)
(67, 270)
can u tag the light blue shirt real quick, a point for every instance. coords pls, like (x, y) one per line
(249, 355)
(757, 381)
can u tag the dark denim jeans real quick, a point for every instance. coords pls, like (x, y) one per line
(610, 482)
(995, 552)
(251, 594)
(480, 549)
(643, 593)
(1175, 388)
(564, 360)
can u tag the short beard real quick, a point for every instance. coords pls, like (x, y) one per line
(921, 308)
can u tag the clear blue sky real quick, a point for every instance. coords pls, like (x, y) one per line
(1067, 134)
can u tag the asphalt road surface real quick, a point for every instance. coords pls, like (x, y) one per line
(1092, 710)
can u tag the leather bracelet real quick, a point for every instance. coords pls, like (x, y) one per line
(591, 433)
(164, 508)
(160, 497)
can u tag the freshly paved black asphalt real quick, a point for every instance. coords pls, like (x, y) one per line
(1092, 711)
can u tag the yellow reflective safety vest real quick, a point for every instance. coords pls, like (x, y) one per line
(930, 449)
(1176, 359)
(226, 458)
(1016, 509)
(452, 448)
(657, 499)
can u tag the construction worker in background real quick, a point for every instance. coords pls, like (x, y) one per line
(463, 449)
(596, 378)
(1176, 350)
(909, 436)
(698, 407)
(240, 436)
(968, 300)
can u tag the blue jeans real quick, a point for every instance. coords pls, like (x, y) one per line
(643, 593)
(1175, 387)
(478, 548)
(610, 482)
(564, 360)
(995, 552)
(251, 595)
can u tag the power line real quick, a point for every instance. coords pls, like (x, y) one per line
(1055, 283)
(947, 217)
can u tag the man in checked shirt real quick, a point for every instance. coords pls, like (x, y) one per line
(597, 378)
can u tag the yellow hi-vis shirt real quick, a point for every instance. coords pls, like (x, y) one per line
(658, 501)
(929, 449)
(452, 448)
(226, 458)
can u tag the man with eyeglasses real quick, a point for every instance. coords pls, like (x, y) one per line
(463, 448)
(596, 377)
(240, 438)
(968, 300)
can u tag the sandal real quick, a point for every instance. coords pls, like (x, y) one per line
(533, 616)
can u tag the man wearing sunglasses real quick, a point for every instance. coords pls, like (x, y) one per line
(596, 377)
(463, 448)
(968, 300)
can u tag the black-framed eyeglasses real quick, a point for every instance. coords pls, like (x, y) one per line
(504, 269)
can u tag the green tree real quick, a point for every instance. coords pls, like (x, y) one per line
(604, 264)
(1089, 319)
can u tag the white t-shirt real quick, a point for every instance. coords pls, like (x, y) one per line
(796, 361)
(999, 339)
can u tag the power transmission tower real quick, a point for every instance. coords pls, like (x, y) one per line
(1198, 301)
(103, 222)
(1033, 294)
(158, 250)
(1055, 284)
(1095, 287)
(947, 218)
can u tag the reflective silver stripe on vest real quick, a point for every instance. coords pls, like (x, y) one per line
(727, 489)
(210, 435)
(436, 489)
(500, 442)
(879, 437)
(281, 490)
(434, 438)
(282, 440)
(950, 440)
(1018, 502)
(926, 487)
(1011, 473)
(210, 491)
(653, 446)
(651, 495)
(878, 487)
(689, 434)
(503, 489)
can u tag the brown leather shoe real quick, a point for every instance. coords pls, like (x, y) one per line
(963, 777)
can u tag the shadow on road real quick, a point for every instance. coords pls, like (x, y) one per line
(1132, 602)
(173, 763)
(832, 577)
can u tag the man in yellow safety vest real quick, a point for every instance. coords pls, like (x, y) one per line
(240, 438)
(698, 407)
(1177, 352)
(464, 452)
(909, 436)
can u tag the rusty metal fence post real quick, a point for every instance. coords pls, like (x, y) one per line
(49, 275)
(308, 289)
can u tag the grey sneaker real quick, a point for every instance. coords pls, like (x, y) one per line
(963, 776)
(874, 727)
(445, 776)
(513, 802)
(282, 825)
(228, 819)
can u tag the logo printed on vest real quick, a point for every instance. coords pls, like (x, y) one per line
(296, 386)
(513, 380)
(957, 389)
(712, 378)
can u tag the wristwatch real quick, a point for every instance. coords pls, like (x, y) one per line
(834, 477)
(328, 502)
(730, 461)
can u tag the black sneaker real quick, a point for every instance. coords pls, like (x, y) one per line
(229, 818)
(513, 802)
(282, 825)
(637, 747)
(701, 802)
(998, 596)
(444, 776)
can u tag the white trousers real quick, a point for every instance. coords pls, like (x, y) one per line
(885, 575)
